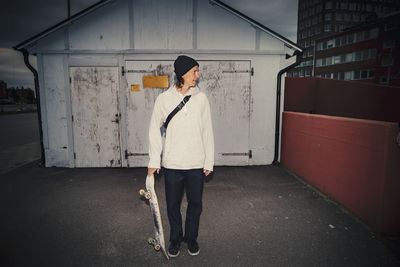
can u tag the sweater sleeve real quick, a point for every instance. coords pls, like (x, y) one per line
(155, 140)
(208, 137)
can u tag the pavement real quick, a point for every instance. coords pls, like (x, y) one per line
(252, 216)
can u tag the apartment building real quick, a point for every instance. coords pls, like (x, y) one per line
(321, 18)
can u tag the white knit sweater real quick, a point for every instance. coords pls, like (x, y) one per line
(189, 142)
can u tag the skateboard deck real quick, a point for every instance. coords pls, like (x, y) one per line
(158, 240)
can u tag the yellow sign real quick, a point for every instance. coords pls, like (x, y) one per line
(155, 81)
(135, 87)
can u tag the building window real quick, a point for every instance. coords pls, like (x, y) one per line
(352, 6)
(359, 36)
(364, 74)
(343, 40)
(339, 16)
(310, 53)
(319, 8)
(356, 17)
(330, 43)
(356, 75)
(318, 62)
(388, 61)
(337, 60)
(347, 17)
(373, 33)
(329, 61)
(383, 80)
(371, 73)
(338, 42)
(389, 26)
(372, 53)
(365, 54)
(327, 28)
(389, 44)
(328, 16)
(319, 46)
(348, 75)
(367, 35)
(349, 57)
(350, 38)
(328, 5)
(357, 56)
(314, 20)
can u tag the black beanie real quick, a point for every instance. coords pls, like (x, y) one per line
(183, 64)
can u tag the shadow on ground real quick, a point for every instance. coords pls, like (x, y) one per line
(252, 216)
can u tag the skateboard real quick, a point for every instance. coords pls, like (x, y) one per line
(158, 241)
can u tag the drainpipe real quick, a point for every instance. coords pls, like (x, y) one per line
(298, 55)
(25, 53)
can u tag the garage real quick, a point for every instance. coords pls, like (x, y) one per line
(100, 71)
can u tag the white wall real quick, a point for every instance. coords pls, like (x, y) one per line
(55, 122)
(105, 28)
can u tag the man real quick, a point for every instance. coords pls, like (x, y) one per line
(188, 154)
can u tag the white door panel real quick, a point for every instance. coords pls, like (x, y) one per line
(95, 110)
(227, 86)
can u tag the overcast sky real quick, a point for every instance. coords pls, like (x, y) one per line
(21, 19)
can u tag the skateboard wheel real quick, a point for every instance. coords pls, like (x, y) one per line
(147, 195)
(157, 247)
(141, 192)
(150, 240)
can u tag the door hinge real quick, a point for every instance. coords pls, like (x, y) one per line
(249, 154)
(128, 154)
(252, 71)
(70, 80)
(72, 117)
(123, 70)
(74, 155)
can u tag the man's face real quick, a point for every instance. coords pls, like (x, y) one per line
(191, 77)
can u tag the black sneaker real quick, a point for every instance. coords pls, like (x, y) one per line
(193, 248)
(174, 249)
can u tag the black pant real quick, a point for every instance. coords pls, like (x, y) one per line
(176, 181)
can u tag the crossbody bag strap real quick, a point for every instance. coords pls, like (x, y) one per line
(176, 110)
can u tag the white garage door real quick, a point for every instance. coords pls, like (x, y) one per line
(227, 85)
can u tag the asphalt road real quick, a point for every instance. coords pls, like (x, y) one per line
(18, 129)
(19, 140)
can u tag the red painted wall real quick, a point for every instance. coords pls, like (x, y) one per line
(342, 98)
(354, 161)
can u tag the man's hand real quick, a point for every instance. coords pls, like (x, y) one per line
(151, 171)
(206, 172)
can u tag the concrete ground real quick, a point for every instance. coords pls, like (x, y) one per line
(252, 216)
